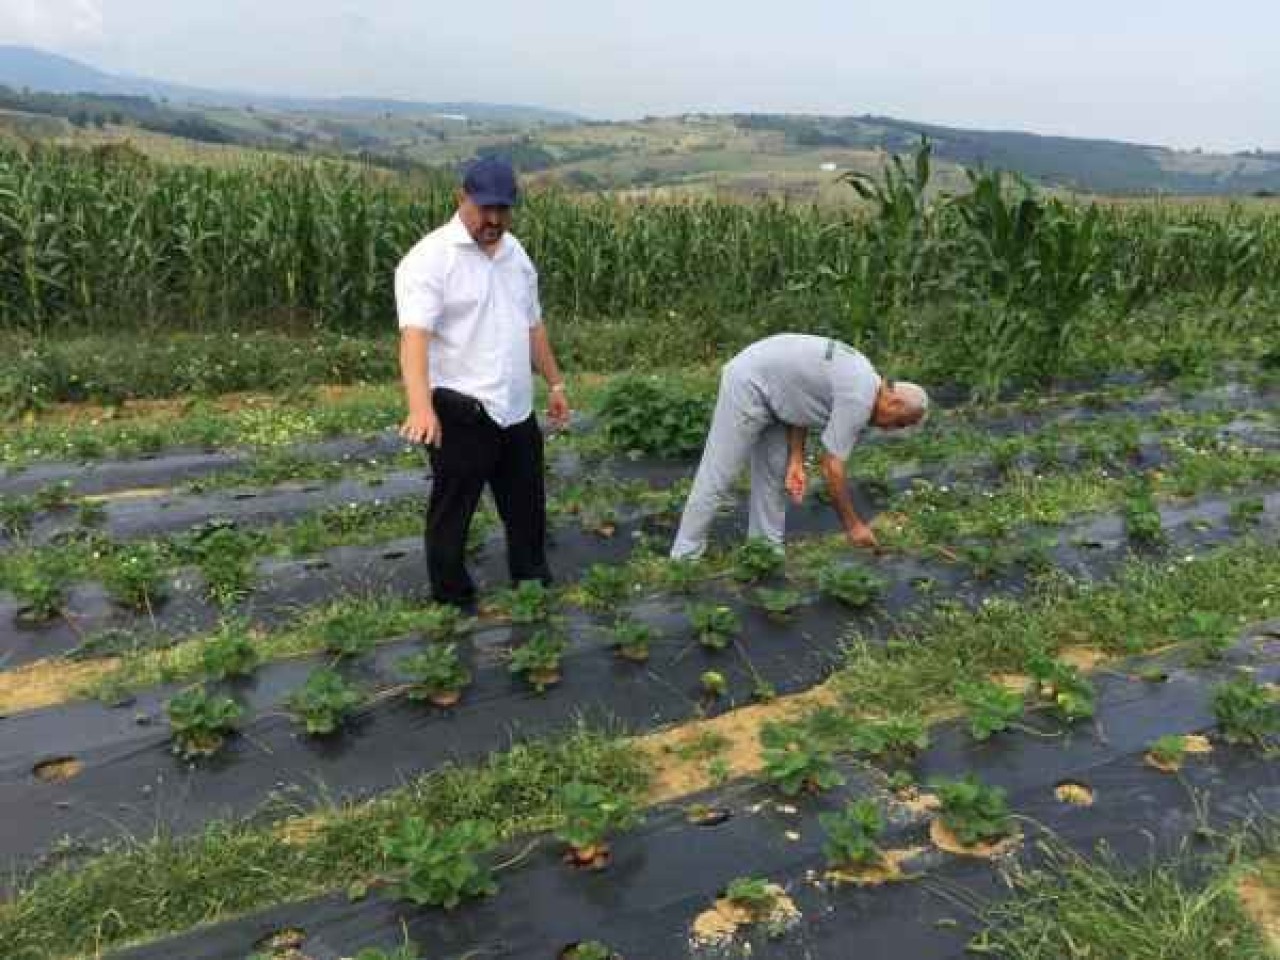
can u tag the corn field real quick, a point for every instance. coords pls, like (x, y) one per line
(96, 242)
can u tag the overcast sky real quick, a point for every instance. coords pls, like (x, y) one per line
(1180, 72)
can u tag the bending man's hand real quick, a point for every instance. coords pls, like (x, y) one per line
(423, 426)
(796, 482)
(864, 537)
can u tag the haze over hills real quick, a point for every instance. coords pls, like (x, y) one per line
(37, 70)
(741, 153)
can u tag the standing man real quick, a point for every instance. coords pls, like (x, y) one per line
(471, 333)
(771, 394)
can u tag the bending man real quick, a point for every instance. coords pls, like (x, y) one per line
(771, 394)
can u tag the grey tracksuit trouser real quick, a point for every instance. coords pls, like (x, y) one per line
(743, 429)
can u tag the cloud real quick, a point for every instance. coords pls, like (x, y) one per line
(51, 23)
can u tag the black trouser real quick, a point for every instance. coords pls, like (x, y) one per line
(476, 451)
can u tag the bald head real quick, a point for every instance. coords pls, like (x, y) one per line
(899, 404)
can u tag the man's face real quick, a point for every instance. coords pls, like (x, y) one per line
(892, 412)
(485, 224)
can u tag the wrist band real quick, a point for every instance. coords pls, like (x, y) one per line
(557, 388)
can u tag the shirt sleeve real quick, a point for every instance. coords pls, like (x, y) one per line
(532, 298)
(850, 414)
(420, 293)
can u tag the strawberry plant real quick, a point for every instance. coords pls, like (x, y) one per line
(852, 834)
(896, 737)
(852, 586)
(16, 515)
(1246, 514)
(200, 723)
(714, 624)
(632, 639)
(682, 576)
(436, 674)
(713, 684)
(135, 578)
(442, 621)
(527, 602)
(1068, 693)
(605, 586)
(591, 813)
(974, 812)
(757, 897)
(1141, 516)
(538, 660)
(794, 765)
(437, 868)
(992, 708)
(756, 560)
(225, 558)
(352, 632)
(778, 604)
(39, 587)
(324, 702)
(230, 652)
(1247, 713)
(590, 950)
(1169, 751)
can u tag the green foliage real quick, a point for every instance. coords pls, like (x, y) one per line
(974, 812)
(437, 868)
(1246, 711)
(713, 684)
(714, 624)
(527, 602)
(352, 632)
(778, 603)
(200, 723)
(853, 586)
(794, 765)
(442, 621)
(655, 417)
(1246, 514)
(757, 560)
(633, 638)
(606, 585)
(538, 659)
(39, 585)
(752, 894)
(895, 737)
(225, 557)
(852, 834)
(435, 672)
(16, 515)
(992, 708)
(135, 577)
(1066, 691)
(592, 813)
(1142, 516)
(324, 702)
(1169, 750)
(229, 652)
(682, 576)
(590, 950)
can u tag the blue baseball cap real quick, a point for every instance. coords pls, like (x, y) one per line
(490, 182)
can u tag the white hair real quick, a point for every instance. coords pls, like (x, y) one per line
(914, 396)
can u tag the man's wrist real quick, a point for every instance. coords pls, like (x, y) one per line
(556, 387)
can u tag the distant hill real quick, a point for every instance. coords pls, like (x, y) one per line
(28, 68)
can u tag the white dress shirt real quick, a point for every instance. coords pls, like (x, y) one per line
(479, 311)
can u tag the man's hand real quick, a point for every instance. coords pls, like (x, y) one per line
(423, 426)
(796, 482)
(862, 536)
(558, 410)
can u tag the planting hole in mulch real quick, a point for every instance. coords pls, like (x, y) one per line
(948, 842)
(57, 770)
(283, 945)
(887, 870)
(589, 858)
(1074, 794)
(570, 952)
(245, 495)
(719, 925)
(395, 554)
(316, 565)
(704, 816)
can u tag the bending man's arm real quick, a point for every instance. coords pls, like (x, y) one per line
(544, 361)
(855, 528)
(795, 481)
(421, 425)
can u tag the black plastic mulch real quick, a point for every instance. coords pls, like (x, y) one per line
(668, 871)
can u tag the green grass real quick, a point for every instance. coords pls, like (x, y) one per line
(1140, 609)
(146, 889)
(1185, 908)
